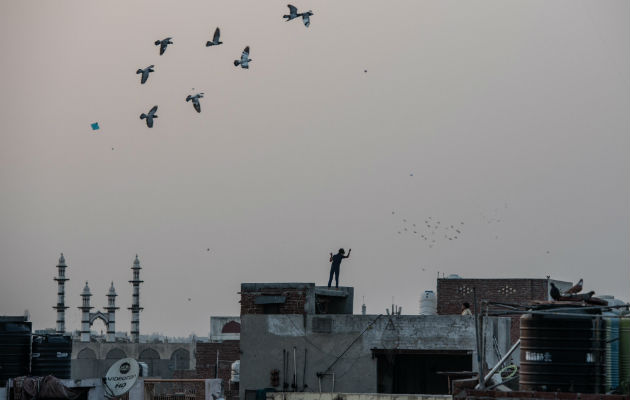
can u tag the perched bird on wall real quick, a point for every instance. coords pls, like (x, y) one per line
(554, 292)
(245, 60)
(195, 101)
(163, 43)
(215, 39)
(149, 117)
(577, 288)
(145, 73)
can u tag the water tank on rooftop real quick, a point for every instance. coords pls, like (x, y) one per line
(624, 352)
(51, 356)
(428, 303)
(236, 371)
(612, 354)
(562, 353)
(15, 348)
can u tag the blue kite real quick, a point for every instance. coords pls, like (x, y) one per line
(95, 126)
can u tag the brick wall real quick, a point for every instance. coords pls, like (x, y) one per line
(229, 351)
(451, 293)
(295, 300)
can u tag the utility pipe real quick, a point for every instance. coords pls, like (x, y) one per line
(494, 369)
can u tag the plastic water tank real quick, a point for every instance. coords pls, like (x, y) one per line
(612, 354)
(51, 356)
(624, 352)
(144, 368)
(236, 371)
(562, 354)
(428, 303)
(15, 347)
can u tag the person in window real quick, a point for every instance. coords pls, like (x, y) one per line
(466, 309)
(335, 264)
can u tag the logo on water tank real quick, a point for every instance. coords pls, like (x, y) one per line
(124, 368)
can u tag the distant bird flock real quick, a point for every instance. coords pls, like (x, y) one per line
(242, 62)
(432, 231)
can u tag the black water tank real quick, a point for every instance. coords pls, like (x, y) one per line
(562, 353)
(51, 356)
(15, 347)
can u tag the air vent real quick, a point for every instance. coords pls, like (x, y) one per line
(322, 325)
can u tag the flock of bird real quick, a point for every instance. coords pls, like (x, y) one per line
(243, 61)
(432, 231)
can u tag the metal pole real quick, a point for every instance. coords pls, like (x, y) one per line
(333, 385)
(304, 372)
(216, 369)
(479, 366)
(294, 371)
(482, 332)
(284, 370)
(500, 362)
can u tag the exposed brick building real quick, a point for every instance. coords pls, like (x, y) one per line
(224, 346)
(295, 298)
(452, 292)
(227, 351)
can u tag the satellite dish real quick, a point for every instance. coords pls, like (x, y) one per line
(121, 377)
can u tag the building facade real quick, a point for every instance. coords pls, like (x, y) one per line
(93, 359)
(311, 341)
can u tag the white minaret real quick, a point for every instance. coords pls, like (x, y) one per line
(85, 313)
(135, 303)
(111, 314)
(61, 295)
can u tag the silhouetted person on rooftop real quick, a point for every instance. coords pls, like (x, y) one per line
(335, 264)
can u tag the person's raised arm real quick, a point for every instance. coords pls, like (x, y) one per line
(349, 250)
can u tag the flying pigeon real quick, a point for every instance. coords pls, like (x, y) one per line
(195, 101)
(149, 117)
(293, 14)
(577, 288)
(244, 61)
(306, 18)
(215, 39)
(145, 73)
(163, 43)
(554, 292)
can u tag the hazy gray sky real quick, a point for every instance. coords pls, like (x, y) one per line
(515, 111)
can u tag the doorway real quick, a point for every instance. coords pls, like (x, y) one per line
(416, 371)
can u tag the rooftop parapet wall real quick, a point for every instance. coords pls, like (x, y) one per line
(355, 396)
(295, 298)
(299, 298)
